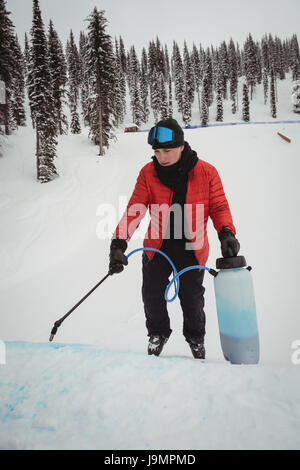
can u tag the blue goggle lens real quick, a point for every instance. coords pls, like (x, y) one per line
(161, 134)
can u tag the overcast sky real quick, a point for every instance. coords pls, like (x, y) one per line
(138, 21)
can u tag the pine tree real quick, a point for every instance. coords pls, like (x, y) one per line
(123, 56)
(280, 66)
(189, 86)
(295, 58)
(100, 68)
(170, 102)
(120, 88)
(7, 62)
(272, 96)
(246, 104)
(42, 102)
(265, 85)
(208, 72)
(250, 63)
(134, 74)
(58, 72)
(163, 97)
(86, 82)
(233, 75)
(18, 87)
(265, 66)
(220, 84)
(178, 78)
(167, 69)
(205, 99)
(196, 64)
(144, 86)
(156, 95)
(272, 61)
(223, 69)
(26, 54)
(74, 74)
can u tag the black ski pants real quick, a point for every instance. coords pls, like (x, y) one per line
(156, 275)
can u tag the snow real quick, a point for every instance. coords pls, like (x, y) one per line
(95, 387)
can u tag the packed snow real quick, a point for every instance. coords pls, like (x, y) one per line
(95, 387)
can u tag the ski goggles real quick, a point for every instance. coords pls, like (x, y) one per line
(163, 135)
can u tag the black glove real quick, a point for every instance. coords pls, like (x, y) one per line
(229, 244)
(116, 257)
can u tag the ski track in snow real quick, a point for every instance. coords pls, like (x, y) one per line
(106, 393)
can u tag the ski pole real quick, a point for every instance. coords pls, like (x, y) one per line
(59, 322)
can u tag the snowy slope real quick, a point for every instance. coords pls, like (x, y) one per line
(97, 376)
(85, 397)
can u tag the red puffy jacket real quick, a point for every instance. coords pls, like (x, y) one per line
(205, 196)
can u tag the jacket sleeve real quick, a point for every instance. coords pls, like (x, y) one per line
(219, 210)
(135, 210)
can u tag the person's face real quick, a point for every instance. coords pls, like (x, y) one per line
(168, 157)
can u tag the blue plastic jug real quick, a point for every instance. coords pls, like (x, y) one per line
(236, 311)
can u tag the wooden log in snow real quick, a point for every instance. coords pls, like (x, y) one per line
(284, 137)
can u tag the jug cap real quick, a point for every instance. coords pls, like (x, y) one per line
(231, 262)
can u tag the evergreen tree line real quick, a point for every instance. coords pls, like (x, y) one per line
(94, 77)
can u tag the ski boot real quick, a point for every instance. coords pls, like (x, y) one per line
(156, 344)
(197, 348)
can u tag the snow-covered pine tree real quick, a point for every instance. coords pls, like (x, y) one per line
(163, 97)
(167, 69)
(160, 58)
(187, 110)
(41, 99)
(258, 64)
(250, 63)
(74, 74)
(7, 62)
(18, 86)
(58, 71)
(74, 65)
(205, 99)
(120, 88)
(233, 76)
(239, 60)
(196, 64)
(208, 71)
(85, 81)
(265, 66)
(295, 58)
(178, 77)
(134, 73)
(272, 95)
(123, 55)
(156, 94)
(280, 66)
(100, 69)
(170, 99)
(220, 95)
(151, 68)
(246, 103)
(144, 86)
(223, 68)
(189, 85)
(265, 85)
(272, 61)
(26, 54)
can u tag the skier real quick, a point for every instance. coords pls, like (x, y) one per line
(175, 179)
